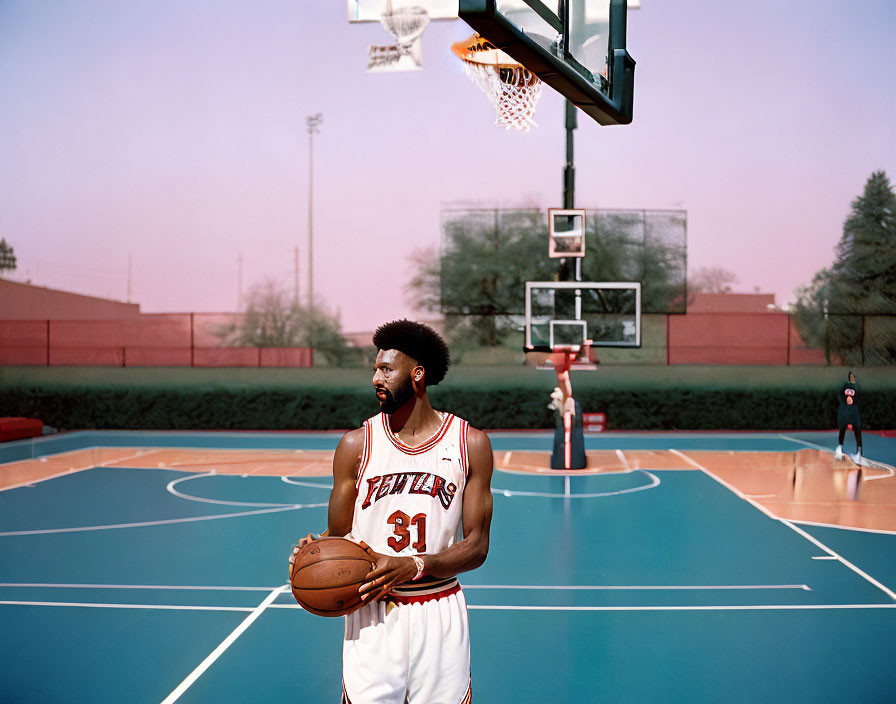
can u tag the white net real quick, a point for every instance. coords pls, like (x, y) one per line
(405, 24)
(514, 92)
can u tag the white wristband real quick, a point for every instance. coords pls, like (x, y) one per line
(419, 562)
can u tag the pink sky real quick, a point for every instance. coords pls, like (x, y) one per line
(174, 132)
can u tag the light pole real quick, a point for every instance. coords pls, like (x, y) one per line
(313, 123)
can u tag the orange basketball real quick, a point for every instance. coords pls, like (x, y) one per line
(326, 575)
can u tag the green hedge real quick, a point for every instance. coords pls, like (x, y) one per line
(637, 407)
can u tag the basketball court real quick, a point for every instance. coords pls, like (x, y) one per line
(674, 567)
(151, 567)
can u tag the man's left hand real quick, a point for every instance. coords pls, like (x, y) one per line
(388, 572)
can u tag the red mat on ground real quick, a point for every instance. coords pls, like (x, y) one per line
(18, 428)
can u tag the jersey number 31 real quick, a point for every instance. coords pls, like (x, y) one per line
(402, 523)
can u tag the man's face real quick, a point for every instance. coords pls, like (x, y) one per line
(392, 379)
(852, 378)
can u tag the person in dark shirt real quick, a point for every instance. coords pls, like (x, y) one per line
(848, 414)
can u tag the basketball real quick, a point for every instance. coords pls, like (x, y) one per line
(326, 575)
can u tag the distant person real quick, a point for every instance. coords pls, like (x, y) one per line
(848, 414)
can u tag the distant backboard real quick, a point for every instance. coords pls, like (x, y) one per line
(566, 233)
(405, 21)
(372, 10)
(575, 46)
(577, 313)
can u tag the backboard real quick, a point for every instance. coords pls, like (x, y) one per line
(566, 233)
(575, 46)
(577, 313)
(372, 10)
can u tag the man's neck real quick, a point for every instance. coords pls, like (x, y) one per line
(416, 419)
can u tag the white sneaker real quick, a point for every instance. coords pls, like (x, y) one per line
(838, 453)
(857, 458)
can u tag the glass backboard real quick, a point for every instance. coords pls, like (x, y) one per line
(577, 47)
(578, 313)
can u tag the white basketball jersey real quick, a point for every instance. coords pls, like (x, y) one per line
(410, 498)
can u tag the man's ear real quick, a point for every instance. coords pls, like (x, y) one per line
(418, 377)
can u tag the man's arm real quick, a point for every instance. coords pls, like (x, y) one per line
(346, 461)
(465, 555)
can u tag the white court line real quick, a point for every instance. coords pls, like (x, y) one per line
(512, 492)
(70, 470)
(255, 612)
(290, 480)
(823, 557)
(638, 587)
(174, 482)
(790, 525)
(159, 607)
(44, 585)
(744, 607)
(142, 524)
(863, 461)
(224, 645)
(834, 525)
(570, 587)
(624, 461)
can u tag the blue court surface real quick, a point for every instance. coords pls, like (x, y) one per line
(128, 584)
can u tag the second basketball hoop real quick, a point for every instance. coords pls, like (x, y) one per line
(512, 89)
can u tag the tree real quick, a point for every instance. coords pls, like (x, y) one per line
(273, 319)
(849, 309)
(7, 257)
(711, 279)
(477, 280)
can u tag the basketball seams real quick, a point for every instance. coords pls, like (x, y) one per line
(328, 559)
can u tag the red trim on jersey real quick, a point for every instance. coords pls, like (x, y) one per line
(365, 452)
(464, 461)
(418, 449)
(345, 699)
(423, 597)
(468, 697)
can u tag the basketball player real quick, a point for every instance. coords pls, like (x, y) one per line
(403, 484)
(848, 414)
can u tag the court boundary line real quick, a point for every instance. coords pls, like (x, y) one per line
(255, 612)
(71, 470)
(550, 587)
(636, 587)
(864, 461)
(723, 607)
(222, 646)
(790, 525)
(106, 605)
(878, 531)
(144, 524)
(183, 587)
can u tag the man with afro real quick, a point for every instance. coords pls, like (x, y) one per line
(404, 485)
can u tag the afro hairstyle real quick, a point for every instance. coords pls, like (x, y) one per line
(418, 341)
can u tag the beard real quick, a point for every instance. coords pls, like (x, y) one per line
(395, 401)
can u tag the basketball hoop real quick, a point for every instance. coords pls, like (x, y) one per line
(512, 88)
(406, 24)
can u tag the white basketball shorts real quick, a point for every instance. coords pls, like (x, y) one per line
(414, 650)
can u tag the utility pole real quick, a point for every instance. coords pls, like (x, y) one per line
(239, 281)
(313, 123)
(295, 272)
(569, 186)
